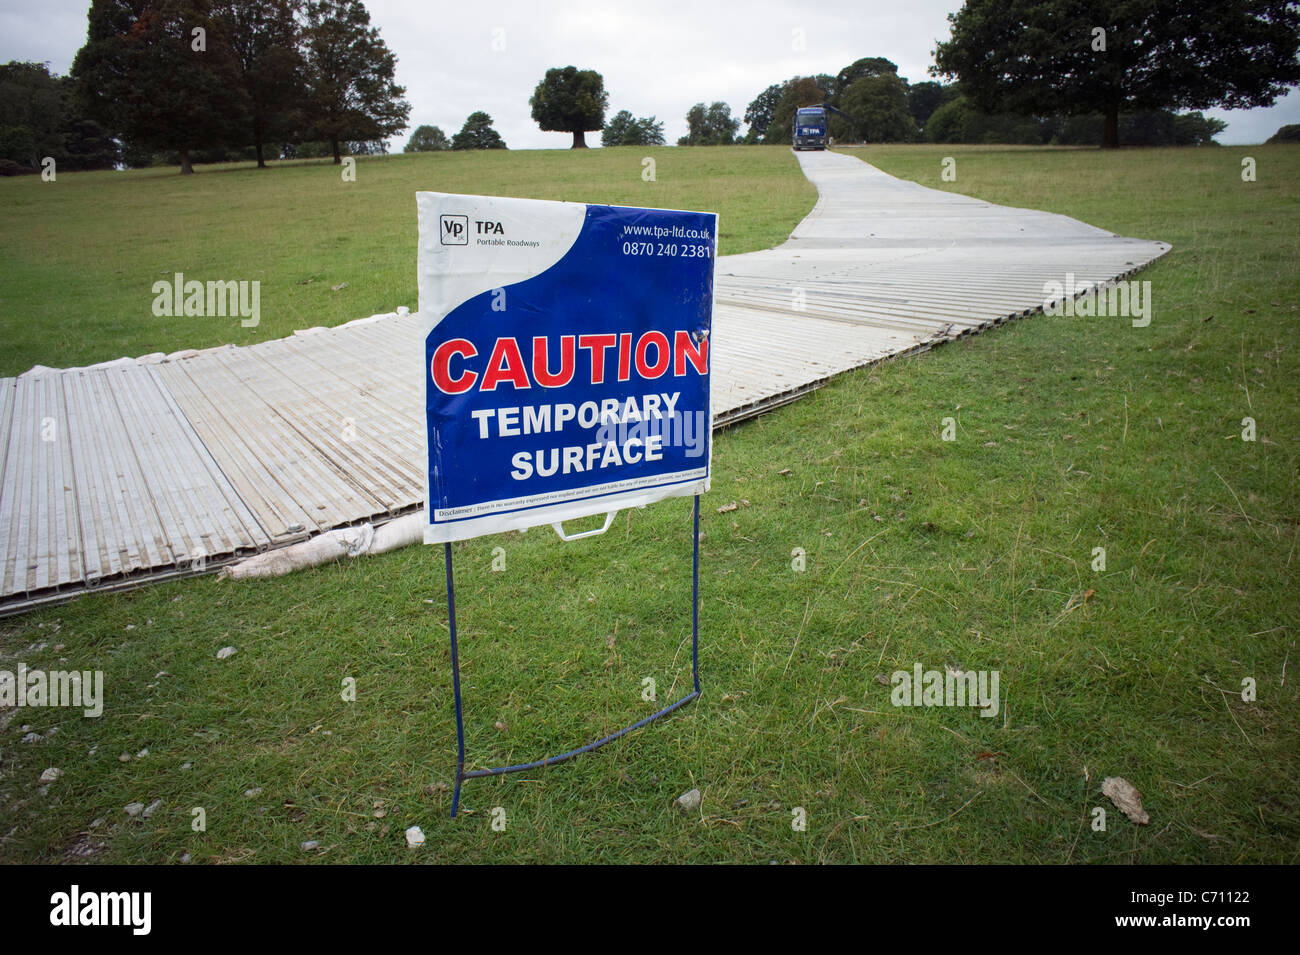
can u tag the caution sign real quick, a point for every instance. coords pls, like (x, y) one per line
(566, 359)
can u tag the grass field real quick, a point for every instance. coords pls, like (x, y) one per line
(1073, 434)
(81, 254)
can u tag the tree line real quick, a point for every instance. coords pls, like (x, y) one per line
(1046, 71)
(189, 76)
(221, 79)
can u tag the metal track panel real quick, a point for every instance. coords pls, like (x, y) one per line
(122, 473)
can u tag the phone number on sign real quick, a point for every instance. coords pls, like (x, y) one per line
(684, 250)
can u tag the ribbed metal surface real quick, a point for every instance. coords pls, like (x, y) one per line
(126, 472)
(105, 479)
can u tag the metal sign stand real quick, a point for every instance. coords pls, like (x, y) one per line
(461, 775)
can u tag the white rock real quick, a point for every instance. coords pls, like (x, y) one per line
(414, 837)
(32, 738)
(51, 774)
(689, 801)
(252, 793)
(226, 652)
(153, 807)
(310, 845)
(134, 808)
(143, 753)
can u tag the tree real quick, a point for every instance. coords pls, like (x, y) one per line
(924, 98)
(264, 38)
(878, 105)
(570, 100)
(960, 121)
(31, 106)
(1147, 128)
(351, 91)
(617, 128)
(1060, 56)
(477, 133)
(160, 75)
(830, 86)
(1289, 133)
(624, 129)
(87, 145)
(427, 139)
(858, 70)
(710, 126)
(758, 114)
(39, 118)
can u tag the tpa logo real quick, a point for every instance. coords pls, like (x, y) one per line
(454, 230)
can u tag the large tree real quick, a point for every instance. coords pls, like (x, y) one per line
(351, 91)
(1108, 56)
(160, 74)
(264, 38)
(570, 100)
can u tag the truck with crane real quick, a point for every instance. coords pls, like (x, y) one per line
(810, 125)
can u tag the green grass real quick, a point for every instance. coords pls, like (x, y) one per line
(80, 255)
(1072, 434)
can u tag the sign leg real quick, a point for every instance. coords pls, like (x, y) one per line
(455, 676)
(695, 599)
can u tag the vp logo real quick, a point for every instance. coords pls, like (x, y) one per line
(454, 230)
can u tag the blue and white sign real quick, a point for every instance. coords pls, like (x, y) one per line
(566, 359)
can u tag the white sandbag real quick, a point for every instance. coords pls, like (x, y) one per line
(330, 546)
(321, 549)
(398, 532)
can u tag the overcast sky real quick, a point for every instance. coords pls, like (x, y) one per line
(657, 56)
